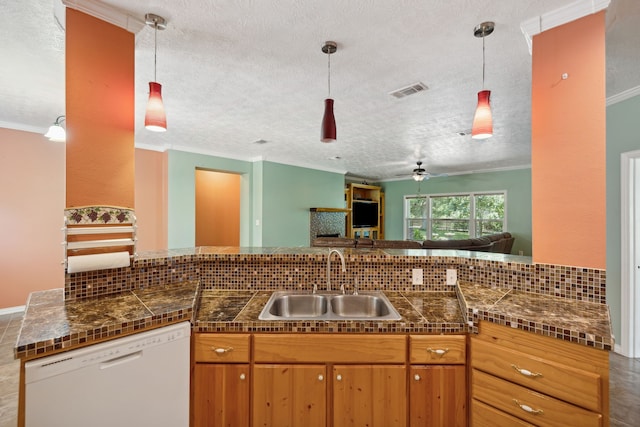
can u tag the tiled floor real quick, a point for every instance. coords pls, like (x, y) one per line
(9, 369)
(624, 380)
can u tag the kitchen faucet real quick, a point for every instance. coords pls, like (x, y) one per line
(344, 269)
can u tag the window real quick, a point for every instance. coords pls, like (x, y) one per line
(454, 216)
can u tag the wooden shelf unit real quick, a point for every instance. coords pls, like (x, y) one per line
(364, 193)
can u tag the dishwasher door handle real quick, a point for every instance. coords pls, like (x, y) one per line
(120, 360)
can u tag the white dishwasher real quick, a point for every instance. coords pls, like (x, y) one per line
(138, 380)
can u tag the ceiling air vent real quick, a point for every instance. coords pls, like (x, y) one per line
(409, 90)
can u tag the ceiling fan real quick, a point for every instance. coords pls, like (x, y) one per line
(420, 174)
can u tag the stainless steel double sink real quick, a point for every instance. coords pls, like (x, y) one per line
(289, 305)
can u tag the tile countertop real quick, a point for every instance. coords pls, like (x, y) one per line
(51, 325)
(581, 322)
(422, 312)
(584, 323)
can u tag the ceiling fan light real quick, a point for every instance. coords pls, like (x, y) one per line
(155, 118)
(328, 122)
(418, 177)
(482, 120)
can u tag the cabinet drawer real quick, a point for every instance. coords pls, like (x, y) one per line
(485, 416)
(438, 349)
(555, 379)
(528, 405)
(222, 348)
(333, 348)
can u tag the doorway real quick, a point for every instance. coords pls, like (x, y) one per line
(630, 253)
(217, 208)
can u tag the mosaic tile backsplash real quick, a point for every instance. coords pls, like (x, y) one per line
(373, 269)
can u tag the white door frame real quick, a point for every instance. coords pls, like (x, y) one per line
(629, 235)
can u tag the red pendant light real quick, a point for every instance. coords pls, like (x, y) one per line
(328, 119)
(328, 122)
(155, 118)
(483, 120)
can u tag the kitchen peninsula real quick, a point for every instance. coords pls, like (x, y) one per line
(222, 290)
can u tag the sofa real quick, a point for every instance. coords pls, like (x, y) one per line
(499, 243)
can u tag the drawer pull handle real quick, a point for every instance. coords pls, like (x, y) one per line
(243, 376)
(339, 377)
(526, 372)
(221, 351)
(417, 377)
(528, 408)
(320, 377)
(438, 351)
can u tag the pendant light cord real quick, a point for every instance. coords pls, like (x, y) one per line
(155, 51)
(329, 74)
(483, 37)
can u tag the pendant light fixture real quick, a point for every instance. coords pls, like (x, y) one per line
(482, 120)
(329, 120)
(155, 118)
(56, 132)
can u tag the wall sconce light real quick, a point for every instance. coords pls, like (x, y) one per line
(328, 119)
(56, 132)
(155, 118)
(482, 120)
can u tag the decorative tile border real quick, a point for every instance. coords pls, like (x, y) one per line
(99, 215)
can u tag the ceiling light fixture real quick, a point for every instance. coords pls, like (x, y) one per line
(482, 120)
(329, 120)
(155, 118)
(56, 132)
(419, 173)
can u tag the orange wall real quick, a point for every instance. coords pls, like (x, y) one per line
(31, 214)
(151, 199)
(217, 208)
(100, 112)
(568, 144)
(32, 173)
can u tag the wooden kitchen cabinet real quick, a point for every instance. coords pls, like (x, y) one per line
(221, 395)
(369, 395)
(437, 381)
(366, 385)
(290, 395)
(438, 396)
(221, 380)
(536, 379)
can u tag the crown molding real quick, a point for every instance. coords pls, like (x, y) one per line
(110, 14)
(623, 96)
(560, 16)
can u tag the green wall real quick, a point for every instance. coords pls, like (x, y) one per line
(622, 136)
(274, 200)
(517, 184)
(288, 193)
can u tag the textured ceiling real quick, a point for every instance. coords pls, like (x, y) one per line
(238, 71)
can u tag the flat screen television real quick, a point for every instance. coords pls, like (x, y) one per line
(365, 214)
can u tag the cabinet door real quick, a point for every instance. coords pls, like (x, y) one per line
(289, 395)
(221, 395)
(369, 395)
(438, 396)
